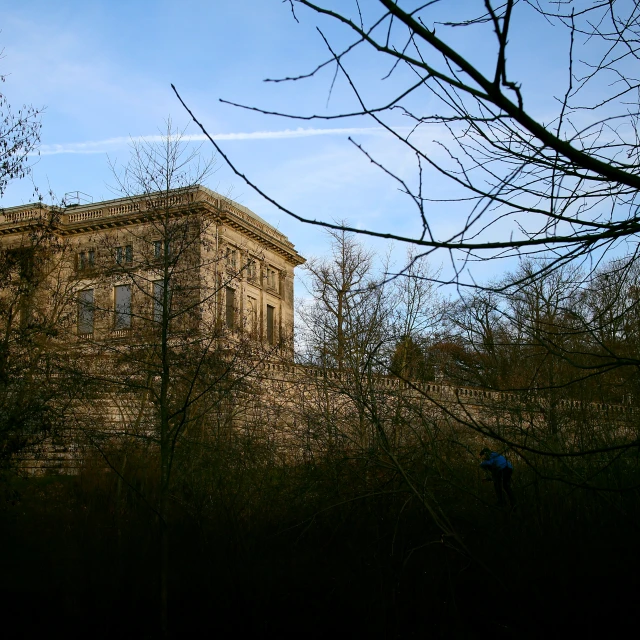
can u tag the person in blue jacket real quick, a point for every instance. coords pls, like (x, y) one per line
(501, 470)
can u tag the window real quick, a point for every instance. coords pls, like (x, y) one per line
(230, 257)
(252, 316)
(124, 255)
(24, 260)
(251, 269)
(270, 325)
(158, 300)
(86, 260)
(122, 295)
(230, 307)
(25, 309)
(272, 278)
(158, 249)
(85, 312)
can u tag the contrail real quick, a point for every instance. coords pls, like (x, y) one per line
(102, 146)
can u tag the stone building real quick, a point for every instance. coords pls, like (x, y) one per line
(110, 263)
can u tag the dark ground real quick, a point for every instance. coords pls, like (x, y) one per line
(80, 559)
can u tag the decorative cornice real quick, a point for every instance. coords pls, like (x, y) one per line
(122, 212)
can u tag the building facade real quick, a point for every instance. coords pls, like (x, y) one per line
(115, 269)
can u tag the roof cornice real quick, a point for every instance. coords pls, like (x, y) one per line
(122, 212)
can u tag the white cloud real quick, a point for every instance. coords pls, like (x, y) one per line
(102, 146)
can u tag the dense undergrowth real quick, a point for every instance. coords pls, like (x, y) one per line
(323, 550)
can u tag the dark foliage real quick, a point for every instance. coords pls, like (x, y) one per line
(286, 551)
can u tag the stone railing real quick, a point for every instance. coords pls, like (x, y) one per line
(122, 209)
(96, 214)
(443, 391)
(120, 333)
(20, 216)
(84, 215)
(175, 200)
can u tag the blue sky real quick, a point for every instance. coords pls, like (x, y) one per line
(103, 70)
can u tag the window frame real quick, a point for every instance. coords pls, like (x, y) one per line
(230, 308)
(122, 318)
(230, 258)
(124, 254)
(271, 324)
(158, 248)
(273, 279)
(252, 316)
(85, 307)
(252, 269)
(85, 260)
(156, 302)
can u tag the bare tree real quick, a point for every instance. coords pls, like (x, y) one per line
(567, 184)
(19, 137)
(417, 314)
(36, 296)
(342, 311)
(176, 354)
(562, 187)
(32, 299)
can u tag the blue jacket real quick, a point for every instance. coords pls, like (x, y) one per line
(496, 462)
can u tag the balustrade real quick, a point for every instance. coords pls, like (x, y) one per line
(84, 215)
(19, 216)
(124, 208)
(121, 333)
